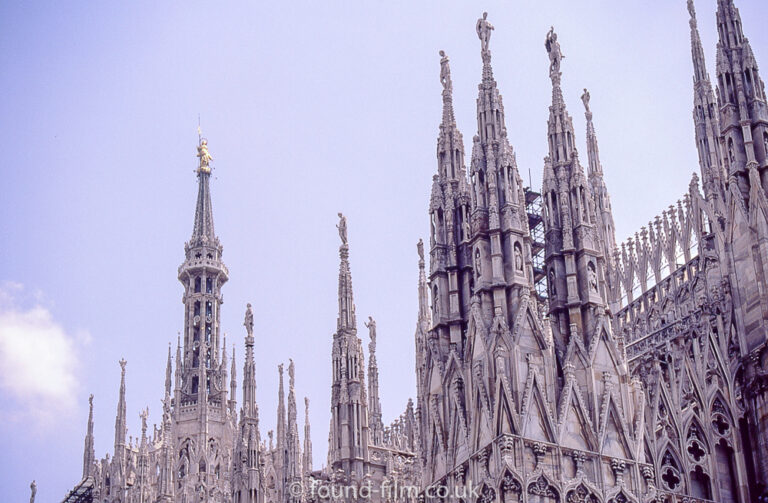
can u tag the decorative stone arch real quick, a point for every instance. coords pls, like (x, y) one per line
(510, 488)
(184, 460)
(622, 497)
(722, 419)
(701, 483)
(671, 475)
(580, 493)
(541, 490)
(697, 446)
(487, 494)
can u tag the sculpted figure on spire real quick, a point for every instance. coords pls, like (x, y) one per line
(204, 156)
(484, 29)
(371, 326)
(445, 72)
(553, 49)
(248, 323)
(342, 226)
(585, 99)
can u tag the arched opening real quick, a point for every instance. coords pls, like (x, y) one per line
(700, 485)
(729, 86)
(726, 473)
(440, 226)
(198, 284)
(481, 188)
(748, 81)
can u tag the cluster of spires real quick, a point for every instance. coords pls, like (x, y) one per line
(490, 112)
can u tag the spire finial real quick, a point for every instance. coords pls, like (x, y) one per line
(692, 12)
(144, 415)
(202, 152)
(248, 323)
(585, 99)
(445, 73)
(371, 326)
(122, 366)
(555, 54)
(484, 29)
(445, 79)
(342, 226)
(420, 250)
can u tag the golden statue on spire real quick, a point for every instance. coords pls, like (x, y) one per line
(202, 152)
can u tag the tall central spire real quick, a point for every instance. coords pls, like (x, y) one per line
(200, 411)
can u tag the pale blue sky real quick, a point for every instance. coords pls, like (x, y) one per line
(310, 108)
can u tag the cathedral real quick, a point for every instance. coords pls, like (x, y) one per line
(553, 364)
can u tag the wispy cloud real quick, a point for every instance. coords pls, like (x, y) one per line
(38, 358)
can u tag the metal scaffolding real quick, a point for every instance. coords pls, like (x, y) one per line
(536, 226)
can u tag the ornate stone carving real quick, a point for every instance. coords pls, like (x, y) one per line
(541, 487)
